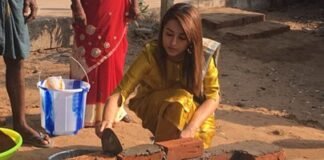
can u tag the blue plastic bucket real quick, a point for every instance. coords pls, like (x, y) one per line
(63, 111)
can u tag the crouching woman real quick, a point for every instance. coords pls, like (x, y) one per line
(175, 98)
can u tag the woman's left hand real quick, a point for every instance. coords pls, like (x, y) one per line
(134, 11)
(187, 133)
(78, 13)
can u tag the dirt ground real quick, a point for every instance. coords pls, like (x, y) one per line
(272, 90)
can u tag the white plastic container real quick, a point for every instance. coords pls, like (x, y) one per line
(63, 111)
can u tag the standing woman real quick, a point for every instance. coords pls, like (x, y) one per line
(175, 99)
(100, 28)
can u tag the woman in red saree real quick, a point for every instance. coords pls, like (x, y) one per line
(100, 46)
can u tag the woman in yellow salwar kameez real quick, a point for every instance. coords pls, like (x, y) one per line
(175, 98)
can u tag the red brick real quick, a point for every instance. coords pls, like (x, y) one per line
(183, 148)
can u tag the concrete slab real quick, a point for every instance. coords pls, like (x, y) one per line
(54, 8)
(216, 18)
(255, 30)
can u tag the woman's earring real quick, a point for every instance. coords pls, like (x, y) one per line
(189, 49)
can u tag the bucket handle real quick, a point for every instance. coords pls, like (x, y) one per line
(80, 65)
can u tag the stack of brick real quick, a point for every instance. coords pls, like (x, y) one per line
(192, 149)
(185, 148)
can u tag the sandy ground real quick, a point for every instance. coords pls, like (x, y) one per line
(272, 90)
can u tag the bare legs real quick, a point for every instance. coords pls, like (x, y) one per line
(15, 84)
(15, 88)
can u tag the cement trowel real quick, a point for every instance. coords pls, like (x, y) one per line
(110, 143)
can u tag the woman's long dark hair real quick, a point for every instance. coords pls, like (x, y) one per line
(189, 18)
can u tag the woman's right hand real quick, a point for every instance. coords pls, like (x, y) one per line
(30, 10)
(78, 13)
(101, 126)
(110, 112)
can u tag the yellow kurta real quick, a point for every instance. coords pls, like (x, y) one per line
(153, 98)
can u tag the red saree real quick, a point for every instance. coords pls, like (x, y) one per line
(100, 47)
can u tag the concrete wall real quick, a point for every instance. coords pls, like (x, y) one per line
(198, 3)
(259, 4)
(50, 32)
(243, 4)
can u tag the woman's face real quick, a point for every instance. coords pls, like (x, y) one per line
(174, 39)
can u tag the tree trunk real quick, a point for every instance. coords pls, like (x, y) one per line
(165, 5)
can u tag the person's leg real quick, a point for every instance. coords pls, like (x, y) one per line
(164, 112)
(15, 85)
(15, 88)
(165, 129)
